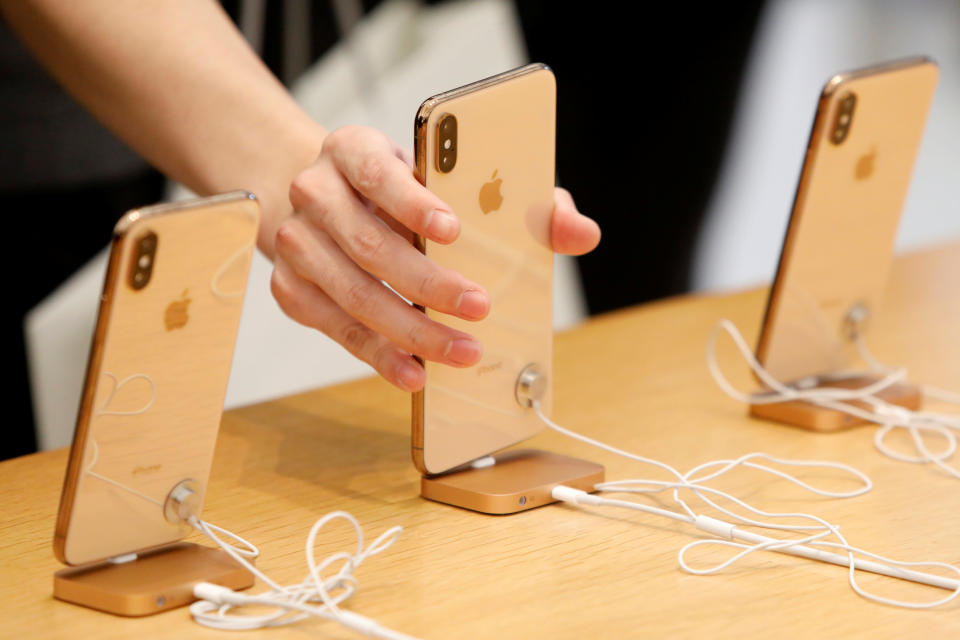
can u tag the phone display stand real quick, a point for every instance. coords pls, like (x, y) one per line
(517, 480)
(800, 413)
(155, 581)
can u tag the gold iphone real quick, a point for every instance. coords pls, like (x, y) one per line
(839, 242)
(157, 374)
(487, 149)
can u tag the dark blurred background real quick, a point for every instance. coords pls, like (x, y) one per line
(643, 112)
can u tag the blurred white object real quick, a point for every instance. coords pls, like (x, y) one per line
(405, 53)
(799, 45)
(58, 333)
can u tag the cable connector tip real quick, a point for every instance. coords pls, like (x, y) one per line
(574, 496)
(214, 593)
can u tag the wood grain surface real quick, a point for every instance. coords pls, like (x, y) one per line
(635, 378)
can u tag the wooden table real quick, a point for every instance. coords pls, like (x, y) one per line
(636, 378)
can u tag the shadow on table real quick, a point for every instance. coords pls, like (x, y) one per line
(365, 456)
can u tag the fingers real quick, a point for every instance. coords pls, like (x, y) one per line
(394, 225)
(315, 257)
(357, 209)
(572, 232)
(370, 163)
(305, 303)
(332, 206)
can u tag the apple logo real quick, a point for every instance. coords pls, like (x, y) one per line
(490, 198)
(864, 168)
(176, 315)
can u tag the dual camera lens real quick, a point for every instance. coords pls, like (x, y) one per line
(841, 124)
(446, 143)
(143, 257)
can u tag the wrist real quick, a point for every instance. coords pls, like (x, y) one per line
(272, 186)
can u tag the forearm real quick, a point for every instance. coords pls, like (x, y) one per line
(177, 82)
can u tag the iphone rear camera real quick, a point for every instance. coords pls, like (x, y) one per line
(841, 124)
(144, 254)
(446, 143)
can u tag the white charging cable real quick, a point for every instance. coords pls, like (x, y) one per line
(811, 543)
(317, 595)
(862, 403)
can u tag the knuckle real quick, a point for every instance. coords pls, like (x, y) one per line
(303, 189)
(381, 357)
(339, 139)
(307, 196)
(367, 243)
(358, 297)
(418, 338)
(332, 141)
(287, 239)
(370, 172)
(428, 284)
(355, 336)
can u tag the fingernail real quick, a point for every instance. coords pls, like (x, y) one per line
(442, 224)
(409, 377)
(464, 351)
(473, 304)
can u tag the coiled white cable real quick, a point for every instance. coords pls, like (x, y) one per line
(811, 544)
(317, 595)
(918, 424)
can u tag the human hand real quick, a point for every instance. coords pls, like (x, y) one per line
(334, 251)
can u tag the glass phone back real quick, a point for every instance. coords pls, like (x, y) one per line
(157, 376)
(841, 234)
(505, 157)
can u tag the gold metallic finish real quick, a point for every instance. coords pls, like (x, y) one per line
(502, 191)
(156, 377)
(157, 581)
(521, 479)
(839, 241)
(800, 413)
